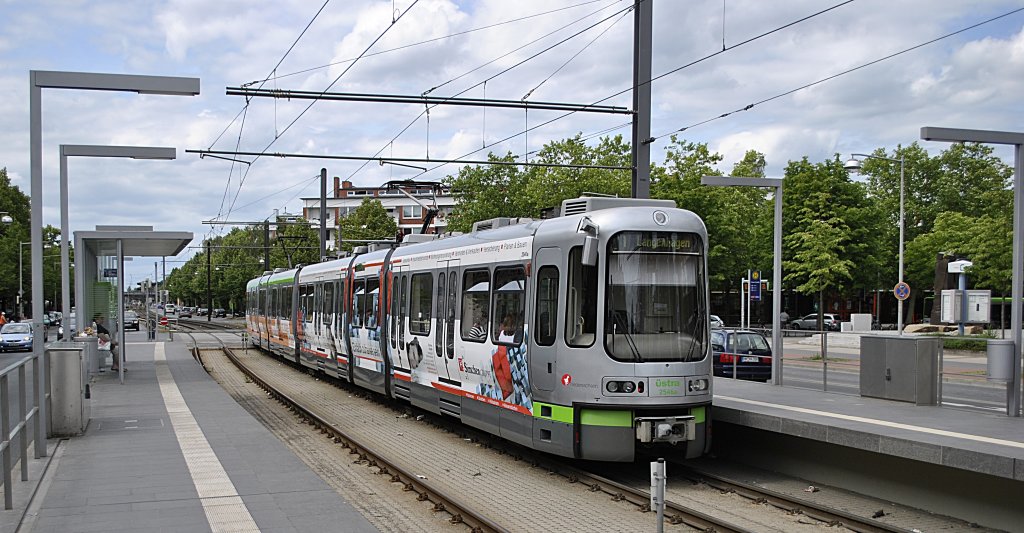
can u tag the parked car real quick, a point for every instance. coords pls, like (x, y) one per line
(219, 313)
(748, 351)
(185, 312)
(70, 325)
(16, 336)
(829, 322)
(131, 320)
(716, 322)
(202, 311)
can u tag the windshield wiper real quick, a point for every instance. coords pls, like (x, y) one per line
(620, 319)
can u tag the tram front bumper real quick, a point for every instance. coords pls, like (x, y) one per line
(666, 429)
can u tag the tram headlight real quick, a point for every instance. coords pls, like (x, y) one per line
(612, 386)
(628, 387)
(698, 385)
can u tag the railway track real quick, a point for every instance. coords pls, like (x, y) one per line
(618, 490)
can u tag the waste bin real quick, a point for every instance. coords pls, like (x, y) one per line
(1000, 359)
(69, 408)
(92, 356)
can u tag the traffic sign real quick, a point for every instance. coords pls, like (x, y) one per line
(755, 286)
(901, 291)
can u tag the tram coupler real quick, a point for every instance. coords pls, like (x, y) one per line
(665, 429)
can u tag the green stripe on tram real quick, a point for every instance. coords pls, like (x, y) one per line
(558, 413)
(601, 417)
(699, 414)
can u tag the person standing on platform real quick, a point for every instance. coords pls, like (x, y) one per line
(104, 335)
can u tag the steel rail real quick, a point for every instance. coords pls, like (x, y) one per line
(460, 512)
(831, 516)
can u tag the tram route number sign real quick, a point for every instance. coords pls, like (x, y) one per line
(901, 291)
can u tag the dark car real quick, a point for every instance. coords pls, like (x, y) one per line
(131, 320)
(219, 313)
(185, 312)
(745, 352)
(829, 322)
(16, 336)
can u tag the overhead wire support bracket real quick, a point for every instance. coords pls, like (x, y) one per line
(392, 160)
(201, 156)
(428, 100)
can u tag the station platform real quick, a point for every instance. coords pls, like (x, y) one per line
(169, 450)
(950, 461)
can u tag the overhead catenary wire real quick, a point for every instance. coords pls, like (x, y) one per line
(435, 39)
(484, 82)
(838, 74)
(570, 113)
(313, 102)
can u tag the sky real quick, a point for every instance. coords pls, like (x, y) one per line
(974, 79)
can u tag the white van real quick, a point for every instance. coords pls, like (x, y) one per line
(170, 309)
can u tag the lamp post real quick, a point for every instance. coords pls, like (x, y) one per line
(854, 166)
(21, 282)
(37, 81)
(775, 183)
(86, 150)
(1015, 139)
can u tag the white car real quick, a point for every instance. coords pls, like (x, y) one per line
(716, 322)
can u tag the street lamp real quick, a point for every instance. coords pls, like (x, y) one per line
(853, 166)
(5, 218)
(775, 183)
(1015, 139)
(37, 81)
(86, 150)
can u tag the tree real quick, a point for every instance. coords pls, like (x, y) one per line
(16, 204)
(487, 191)
(727, 212)
(368, 222)
(829, 229)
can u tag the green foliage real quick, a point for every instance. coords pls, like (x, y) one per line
(485, 192)
(16, 204)
(368, 222)
(828, 228)
(738, 219)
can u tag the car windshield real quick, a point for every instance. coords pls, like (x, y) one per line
(130, 315)
(747, 342)
(656, 298)
(16, 328)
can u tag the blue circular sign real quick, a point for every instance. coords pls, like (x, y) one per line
(901, 291)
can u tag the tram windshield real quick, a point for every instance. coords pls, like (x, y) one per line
(656, 297)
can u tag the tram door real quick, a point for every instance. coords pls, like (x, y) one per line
(444, 335)
(543, 351)
(398, 311)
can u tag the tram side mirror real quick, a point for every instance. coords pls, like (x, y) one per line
(589, 251)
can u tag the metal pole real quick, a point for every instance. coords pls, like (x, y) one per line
(777, 291)
(962, 285)
(65, 238)
(156, 302)
(643, 15)
(35, 121)
(163, 273)
(658, 491)
(746, 301)
(1017, 290)
(743, 293)
(323, 215)
(120, 312)
(21, 281)
(209, 291)
(266, 245)
(899, 303)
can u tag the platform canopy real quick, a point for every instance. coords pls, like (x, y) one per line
(99, 268)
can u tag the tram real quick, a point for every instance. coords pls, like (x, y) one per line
(584, 335)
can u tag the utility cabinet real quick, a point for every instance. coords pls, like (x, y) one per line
(900, 368)
(69, 377)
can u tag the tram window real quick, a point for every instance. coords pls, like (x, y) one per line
(439, 313)
(287, 303)
(421, 298)
(404, 311)
(509, 303)
(327, 309)
(547, 305)
(372, 303)
(452, 294)
(358, 302)
(393, 297)
(581, 302)
(476, 302)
